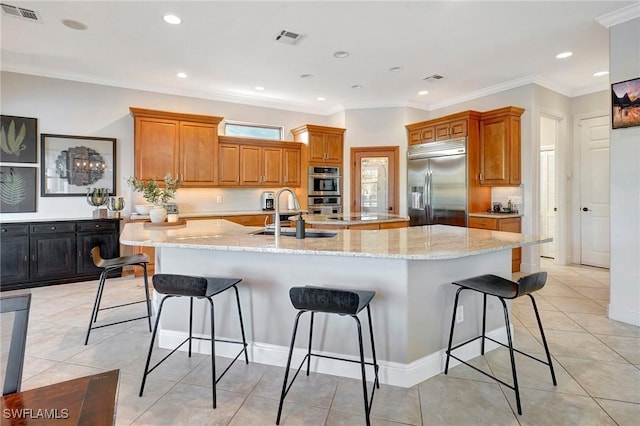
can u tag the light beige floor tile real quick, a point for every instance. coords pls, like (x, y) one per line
(623, 413)
(114, 352)
(258, 411)
(560, 290)
(130, 404)
(524, 340)
(531, 373)
(58, 373)
(579, 280)
(570, 304)
(594, 293)
(316, 389)
(191, 405)
(240, 378)
(558, 409)
(336, 418)
(605, 379)
(449, 401)
(600, 324)
(627, 347)
(551, 320)
(462, 371)
(578, 345)
(174, 368)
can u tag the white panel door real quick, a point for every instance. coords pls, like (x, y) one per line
(594, 194)
(548, 200)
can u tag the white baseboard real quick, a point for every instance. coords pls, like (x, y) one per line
(391, 373)
(624, 315)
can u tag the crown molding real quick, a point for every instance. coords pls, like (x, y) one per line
(619, 16)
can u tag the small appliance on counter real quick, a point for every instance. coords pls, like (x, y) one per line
(266, 200)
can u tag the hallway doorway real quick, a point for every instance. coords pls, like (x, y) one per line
(374, 179)
(548, 201)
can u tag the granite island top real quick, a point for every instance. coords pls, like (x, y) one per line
(351, 219)
(413, 243)
(214, 214)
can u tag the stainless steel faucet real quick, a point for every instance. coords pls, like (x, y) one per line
(276, 206)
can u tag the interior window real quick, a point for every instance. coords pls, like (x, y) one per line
(263, 131)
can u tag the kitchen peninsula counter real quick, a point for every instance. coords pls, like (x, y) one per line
(410, 269)
(355, 220)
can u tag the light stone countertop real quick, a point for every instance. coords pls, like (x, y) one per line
(214, 214)
(351, 219)
(414, 243)
(495, 215)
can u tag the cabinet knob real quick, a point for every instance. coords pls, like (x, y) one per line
(53, 228)
(4, 229)
(97, 225)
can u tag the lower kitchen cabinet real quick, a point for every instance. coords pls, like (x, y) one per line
(46, 253)
(506, 224)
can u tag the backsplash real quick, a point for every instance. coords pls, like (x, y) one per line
(195, 200)
(503, 194)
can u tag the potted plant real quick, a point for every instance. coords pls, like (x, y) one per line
(156, 194)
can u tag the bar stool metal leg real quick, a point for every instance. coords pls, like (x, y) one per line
(244, 340)
(213, 353)
(544, 340)
(285, 390)
(310, 340)
(373, 349)
(484, 323)
(153, 339)
(453, 324)
(146, 292)
(511, 355)
(367, 408)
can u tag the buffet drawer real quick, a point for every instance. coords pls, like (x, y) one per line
(48, 228)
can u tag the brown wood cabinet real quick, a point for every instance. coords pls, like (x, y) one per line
(466, 123)
(447, 127)
(507, 224)
(500, 162)
(256, 162)
(324, 144)
(184, 145)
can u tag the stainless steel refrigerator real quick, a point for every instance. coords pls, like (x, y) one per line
(437, 183)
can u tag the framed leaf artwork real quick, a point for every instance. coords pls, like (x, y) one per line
(17, 189)
(18, 139)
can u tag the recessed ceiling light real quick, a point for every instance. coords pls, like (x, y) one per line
(321, 98)
(306, 75)
(423, 92)
(564, 55)
(357, 86)
(395, 69)
(181, 75)
(74, 25)
(259, 88)
(600, 73)
(341, 54)
(172, 19)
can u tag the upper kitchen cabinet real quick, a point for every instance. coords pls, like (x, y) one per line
(442, 128)
(325, 144)
(184, 145)
(500, 147)
(256, 162)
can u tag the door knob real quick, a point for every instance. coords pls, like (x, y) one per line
(585, 209)
(390, 209)
(555, 209)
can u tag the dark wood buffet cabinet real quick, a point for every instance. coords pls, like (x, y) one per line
(54, 252)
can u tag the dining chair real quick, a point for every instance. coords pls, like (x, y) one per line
(20, 306)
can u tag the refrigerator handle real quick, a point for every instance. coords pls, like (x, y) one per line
(425, 196)
(430, 173)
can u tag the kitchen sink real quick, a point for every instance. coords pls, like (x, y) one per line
(291, 232)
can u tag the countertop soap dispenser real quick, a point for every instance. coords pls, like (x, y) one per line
(300, 227)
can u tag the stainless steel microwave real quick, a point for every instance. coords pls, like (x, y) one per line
(324, 181)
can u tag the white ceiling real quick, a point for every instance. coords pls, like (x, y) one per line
(228, 48)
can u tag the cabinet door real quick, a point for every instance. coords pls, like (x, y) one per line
(333, 149)
(14, 262)
(316, 147)
(271, 166)
(197, 154)
(494, 152)
(229, 164)
(53, 255)
(108, 243)
(415, 137)
(483, 223)
(458, 128)
(429, 134)
(442, 131)
(291, 165)
(250, 165)
(512, 225)
(156, 148)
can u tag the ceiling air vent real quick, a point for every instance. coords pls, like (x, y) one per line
(433, 78)
(20, 13)
(289, 37)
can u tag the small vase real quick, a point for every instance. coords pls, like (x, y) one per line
(158, 214)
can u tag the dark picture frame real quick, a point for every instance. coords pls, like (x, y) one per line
(625, 103)
(18, 188)
(19, 139)
(72, 164)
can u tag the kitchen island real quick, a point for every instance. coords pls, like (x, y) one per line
(409, 268)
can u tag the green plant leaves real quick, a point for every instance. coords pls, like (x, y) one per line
(13, 189)
(9, 142)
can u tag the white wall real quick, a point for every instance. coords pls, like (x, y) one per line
(74, 108)
(624, 62)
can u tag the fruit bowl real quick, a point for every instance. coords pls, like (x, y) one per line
(143, 208)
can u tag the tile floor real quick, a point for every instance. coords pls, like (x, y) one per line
(597, 365)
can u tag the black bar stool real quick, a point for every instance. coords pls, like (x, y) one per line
(199, 287)
(331, 301)
(502, 289)
(107, 266)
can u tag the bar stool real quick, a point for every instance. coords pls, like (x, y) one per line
(171, 285)
(331, 301)
(107, 266)
(502, 289)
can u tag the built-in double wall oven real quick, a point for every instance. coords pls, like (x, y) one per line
(324, 190)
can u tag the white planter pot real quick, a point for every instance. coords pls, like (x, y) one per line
(158, 214)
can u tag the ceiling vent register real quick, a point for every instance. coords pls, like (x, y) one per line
(289, 37)
(20, 13)
(433, 78)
